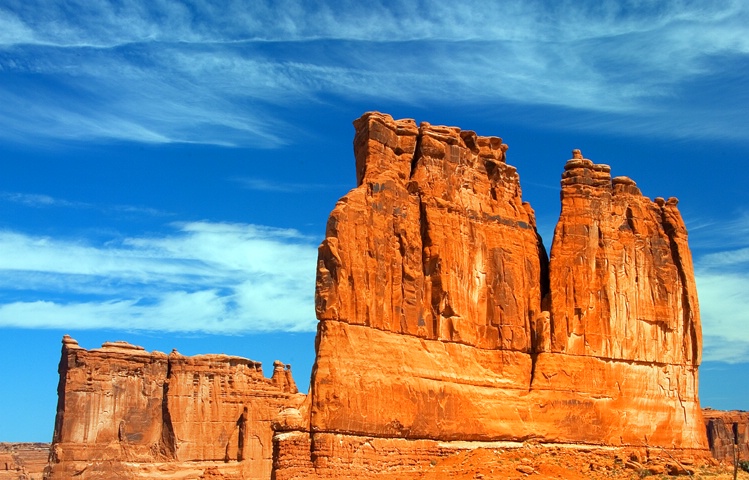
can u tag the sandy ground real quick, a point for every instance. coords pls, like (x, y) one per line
(533, 463)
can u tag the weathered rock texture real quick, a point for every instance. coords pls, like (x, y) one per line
(622, 282)
(728, 434)
(442, 320)
(23, 461)
(126, 413)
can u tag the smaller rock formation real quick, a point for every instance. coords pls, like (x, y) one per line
(23, 461)
(728, 434)
(621, 274)
(124, 412)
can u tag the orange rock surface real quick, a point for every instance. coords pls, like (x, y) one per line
(23, 461)
(435, 242)
(442, 320)
(622, 281)
(126, 413)
(346, 456)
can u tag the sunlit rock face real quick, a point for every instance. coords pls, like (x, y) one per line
(127, 413)
(21, 461)
(622, 282)
(435, 242)
(441, 318)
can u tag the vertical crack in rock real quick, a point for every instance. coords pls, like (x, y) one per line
(168, 444)
(242, 426)
(430, 269)
(543, 259)
(540, 323)
(416, 155)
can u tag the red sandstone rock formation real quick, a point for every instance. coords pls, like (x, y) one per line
(728, 434)
(126, 413)
(624, 319)
(443, 328)
(441, 319)
(23, 461)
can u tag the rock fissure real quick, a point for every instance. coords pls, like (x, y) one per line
(168, 444)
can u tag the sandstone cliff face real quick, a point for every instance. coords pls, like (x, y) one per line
(622, 283)
(23, 461)
(432, 261)
(123, 412)
(441, 318)
(435, 242)
(623, 331)
(728, 434)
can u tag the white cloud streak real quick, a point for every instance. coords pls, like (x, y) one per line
(723, 288)
(45, 201)
(263, 185)
(197, 71)
(205, 277)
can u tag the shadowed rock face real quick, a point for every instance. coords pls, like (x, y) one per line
(442, 319)
(124, 412)
(728, 434)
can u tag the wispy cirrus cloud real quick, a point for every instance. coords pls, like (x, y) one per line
(196, 72)
(264, 185)
(39, 200)
(35, 200)
(204, 277)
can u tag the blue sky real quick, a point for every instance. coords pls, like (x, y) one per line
(168, 167)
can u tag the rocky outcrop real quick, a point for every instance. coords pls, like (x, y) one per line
(441, 319)
(435, 242)
(622, 283)
(728, 434)
(429, 264)
(623, 313)
(125, 413)
(23, 461)
(445, 332)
